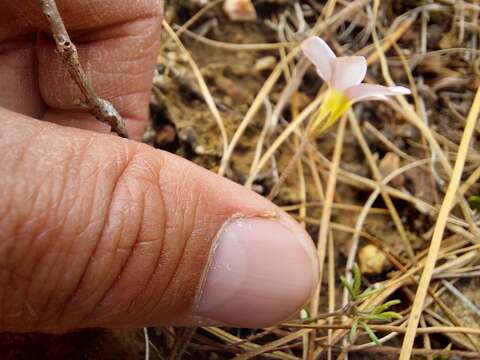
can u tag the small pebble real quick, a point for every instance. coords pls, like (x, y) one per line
(372, 260)
(389, 164)
(240, 10)
(165, 136)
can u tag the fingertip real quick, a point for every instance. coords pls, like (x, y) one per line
(262, 271)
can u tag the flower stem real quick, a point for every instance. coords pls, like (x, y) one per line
(285, 173)
(316, 126)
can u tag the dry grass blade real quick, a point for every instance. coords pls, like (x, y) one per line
(439, 229)
(181, 343)
(273, 345)
(407, 110)
(281, 138)
(246, 345)
(234, 47)
(396, 328)
(193, 19)
(325, 229)
(203, 86)
(264, 91)
(376, 174)
(427, 352)
(327, 210)
(147, 344)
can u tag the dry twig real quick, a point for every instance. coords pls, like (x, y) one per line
(102, 109)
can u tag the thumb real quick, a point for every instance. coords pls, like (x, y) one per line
(100, 231)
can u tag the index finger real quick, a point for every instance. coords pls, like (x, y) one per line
(117, 43)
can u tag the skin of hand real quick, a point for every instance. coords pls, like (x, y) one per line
(99, 231)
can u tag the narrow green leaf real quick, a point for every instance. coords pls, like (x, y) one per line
(357, 278)
(389, 315)
(366, 293)
(353, 332)
(304, 314)
(442, 356)
(381, 308)
(474, 202)
(367, 316)
(370, 333)
(348, 286)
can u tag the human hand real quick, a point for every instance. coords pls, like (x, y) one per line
(96, 230)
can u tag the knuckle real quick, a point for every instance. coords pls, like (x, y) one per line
(31, 202)
(127, 250)
(110, 237)
(150, 262)
(64, 210)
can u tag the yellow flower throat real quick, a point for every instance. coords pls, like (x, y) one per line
(336, 103)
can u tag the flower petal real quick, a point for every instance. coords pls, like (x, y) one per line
(348, 71)
(364, 92)
(320, 54)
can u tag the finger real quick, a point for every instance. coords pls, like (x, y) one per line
(100, 231)
(117, 44)
(20, 91)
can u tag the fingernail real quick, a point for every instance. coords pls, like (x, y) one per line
(261, 271)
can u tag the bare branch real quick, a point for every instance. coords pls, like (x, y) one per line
(102, 109)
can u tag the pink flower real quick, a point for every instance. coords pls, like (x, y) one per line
(344, 76)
